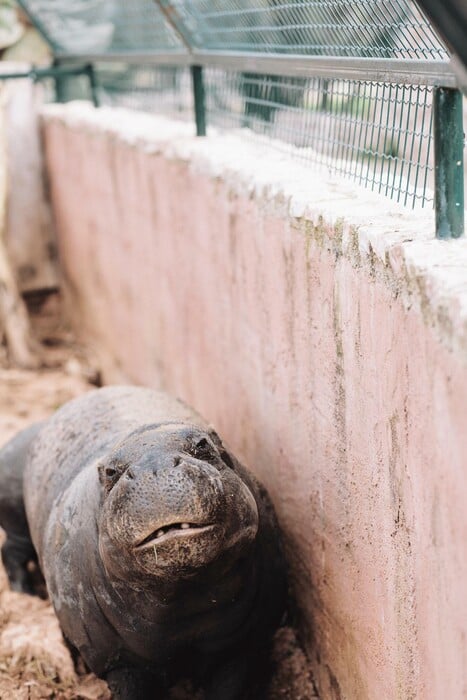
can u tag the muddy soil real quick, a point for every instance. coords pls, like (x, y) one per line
(34, 661)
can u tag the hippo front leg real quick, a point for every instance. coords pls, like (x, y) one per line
(131, 684)
(16, 553)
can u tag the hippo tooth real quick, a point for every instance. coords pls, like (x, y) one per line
(159, 533)
(185, 526)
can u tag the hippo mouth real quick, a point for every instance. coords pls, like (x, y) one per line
(172, 531)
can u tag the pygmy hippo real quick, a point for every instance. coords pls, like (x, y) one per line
(160, 552)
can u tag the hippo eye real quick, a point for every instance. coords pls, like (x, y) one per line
(108, 475)
(203, 449)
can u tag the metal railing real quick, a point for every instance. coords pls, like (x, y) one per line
(360, 87)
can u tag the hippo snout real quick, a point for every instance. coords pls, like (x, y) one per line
(175, 505)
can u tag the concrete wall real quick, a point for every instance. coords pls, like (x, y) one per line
(323, 332)
(29, 235)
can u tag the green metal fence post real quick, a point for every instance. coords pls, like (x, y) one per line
(449, 162)
(199, 100)
(91, 73)
(60, 84)
(172, 16)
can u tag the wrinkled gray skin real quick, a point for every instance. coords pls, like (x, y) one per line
(17, 550)
(108, 482)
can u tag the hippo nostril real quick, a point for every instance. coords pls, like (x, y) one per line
(130, 473)
(177, 461)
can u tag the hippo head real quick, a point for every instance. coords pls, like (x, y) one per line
(172, 503)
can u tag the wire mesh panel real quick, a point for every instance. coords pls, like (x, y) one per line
(377, 134)
(161, 89)
(358, 28)
(101, 26)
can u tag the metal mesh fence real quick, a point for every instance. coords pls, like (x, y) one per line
(360, 28)
(103, 26)
(353, 28)
(161, 89)
(345, 85)
(377, 134)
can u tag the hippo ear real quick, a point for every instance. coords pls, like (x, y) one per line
(225, 456)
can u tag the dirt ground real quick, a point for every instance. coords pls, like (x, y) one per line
(34, 661)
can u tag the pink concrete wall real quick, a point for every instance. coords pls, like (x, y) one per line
(311, 363)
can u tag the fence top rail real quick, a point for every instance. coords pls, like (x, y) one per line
(161, 58)
(403, 71)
